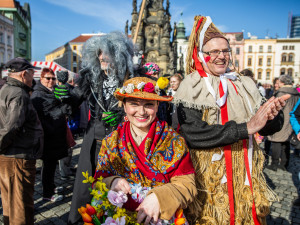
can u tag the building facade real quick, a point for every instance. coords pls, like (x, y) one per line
(69, 55)
(259, 57)
(182, 43)
(287, 60)
(20, 15)
(6, 39)
(295, 27)
(236, 41)
(154, 34)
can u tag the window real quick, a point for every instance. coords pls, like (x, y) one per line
(291, 58)
(270, 48)
(290, 72)
(283, 58)
(260, 61)
(74, 58)
(250, 48)
(249, 61)
(284, 47)
(74, 47)
(259, 75)
(75, 69)
(292, 47)
(282, 71)
(261, 48)
(268, 75)
(180, 49)
(8, 40)
(237, 51)
(1, 38)
(236, 63)
(269, 61)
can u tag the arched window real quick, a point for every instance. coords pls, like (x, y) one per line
(290, 71)
(291, 57)
(282, 71)
(283, 58)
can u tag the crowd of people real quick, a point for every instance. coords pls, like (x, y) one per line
(192, 140)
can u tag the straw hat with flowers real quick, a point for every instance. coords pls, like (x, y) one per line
(143, 88)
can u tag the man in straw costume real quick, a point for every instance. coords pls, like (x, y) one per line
(219, 114)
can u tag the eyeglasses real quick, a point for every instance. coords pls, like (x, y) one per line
(216, 53)
(50, 78)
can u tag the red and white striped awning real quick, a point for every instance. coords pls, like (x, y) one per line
(52, 65)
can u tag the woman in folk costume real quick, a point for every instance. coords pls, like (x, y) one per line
(146, 151)
(219, 114)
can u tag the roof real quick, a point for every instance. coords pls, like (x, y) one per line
(7, 4)
(81, 38)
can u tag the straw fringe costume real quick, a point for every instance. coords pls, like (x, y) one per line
(211, 140)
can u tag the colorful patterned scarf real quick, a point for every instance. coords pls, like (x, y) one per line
(162, 155)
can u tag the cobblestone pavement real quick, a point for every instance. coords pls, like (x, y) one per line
(282, 182)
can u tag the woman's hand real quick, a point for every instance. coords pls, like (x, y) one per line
(149, 209)
(120, 184)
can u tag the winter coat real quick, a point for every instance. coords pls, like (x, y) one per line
(295, 117)
(284, 134)
(55, 143)
(21, 133)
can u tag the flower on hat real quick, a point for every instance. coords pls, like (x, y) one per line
(149, 87)
(140, 85)
(162, 82)
(129, 89)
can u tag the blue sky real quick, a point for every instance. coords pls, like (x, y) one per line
(55, 22)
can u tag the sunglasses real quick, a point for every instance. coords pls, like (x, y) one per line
(50, 78)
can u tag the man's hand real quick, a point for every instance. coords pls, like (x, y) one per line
(120, 184)
(149, 209)
(267, 111)
(111, 118)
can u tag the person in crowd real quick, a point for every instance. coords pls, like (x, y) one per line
(61, 91)
(280, 141)
(219, 111)
(267, 146)
(295, 122)
(106, 63)
(248, 73)
(147, 151)
(55, 130)
(175, 81)
(298, 87)
(21, 143)
(261, 89)
(152, 70)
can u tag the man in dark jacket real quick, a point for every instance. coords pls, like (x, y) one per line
(21, 140)
(281, 140)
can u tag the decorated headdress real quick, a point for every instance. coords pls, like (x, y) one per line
(151, 68)
(203, 31)
(143, 88)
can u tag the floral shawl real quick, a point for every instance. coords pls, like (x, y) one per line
(162, 155)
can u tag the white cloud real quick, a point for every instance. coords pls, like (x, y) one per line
(222, 28)
(113, 12)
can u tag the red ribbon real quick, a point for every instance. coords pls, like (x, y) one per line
(254, 215)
